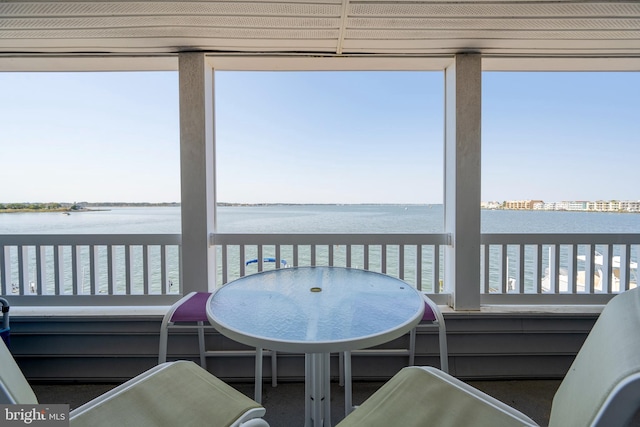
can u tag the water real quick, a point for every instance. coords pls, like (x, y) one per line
(500, 221)
(331, 219)
(314, 219)
(412, 219)
(128, 220)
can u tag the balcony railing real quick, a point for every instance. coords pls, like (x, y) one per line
(414, 258)
(516, 268)
(89, 268)
(558, 267)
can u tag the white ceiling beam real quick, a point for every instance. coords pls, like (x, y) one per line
(307, 63)
(344, 15)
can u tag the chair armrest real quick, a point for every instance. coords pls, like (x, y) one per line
(418, 396)
(172, 394)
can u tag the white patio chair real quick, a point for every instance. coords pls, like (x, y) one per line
(601, 388)
(432, 319)
(190, 313)
(167, 395)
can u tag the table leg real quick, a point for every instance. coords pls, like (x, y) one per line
(307, 391)
(317, 390)
(326, 375)
(348, 384)
(258, 373)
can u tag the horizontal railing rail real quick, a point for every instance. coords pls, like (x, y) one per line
(101, 265)
(415, 258)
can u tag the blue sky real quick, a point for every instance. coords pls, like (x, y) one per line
(89, 137)
(339, 137)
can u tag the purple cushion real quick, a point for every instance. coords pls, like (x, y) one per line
(193, 309)
(428, 313)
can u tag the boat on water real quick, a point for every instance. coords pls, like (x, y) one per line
(283, 262)
(598, 276)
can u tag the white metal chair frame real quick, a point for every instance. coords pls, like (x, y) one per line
(201, 326)
(601, 387)
(437, 323)
(146, 395)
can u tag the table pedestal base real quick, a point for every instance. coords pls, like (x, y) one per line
(317, 405)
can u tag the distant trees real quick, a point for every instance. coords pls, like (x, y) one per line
(31, 206)
(17, 206)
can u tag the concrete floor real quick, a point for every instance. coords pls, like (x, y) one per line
(285, 403)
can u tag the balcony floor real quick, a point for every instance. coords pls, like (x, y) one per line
(285, 405)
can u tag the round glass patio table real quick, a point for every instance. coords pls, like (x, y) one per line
(316, 311)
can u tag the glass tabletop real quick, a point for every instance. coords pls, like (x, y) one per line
(315, 309)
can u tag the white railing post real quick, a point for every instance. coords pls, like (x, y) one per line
(504, 268)
(538, 269)
(606, 284)
(5, 282)
(419, 268)
(164, 276)
(486, 270)
(128, 261)
(58, 274)
(40, 272)
(589, 270)
(520, 281)
(624, 268)
(111, 269)
(554, 268)
(436, 270)
(23, 269)
(146, 271)
(93, 269)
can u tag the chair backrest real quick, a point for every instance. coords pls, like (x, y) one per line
(602, 387)
(14, 387)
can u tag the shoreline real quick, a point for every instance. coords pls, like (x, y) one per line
(60, 210)
(98, 207)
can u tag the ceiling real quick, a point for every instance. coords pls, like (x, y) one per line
(334, 28)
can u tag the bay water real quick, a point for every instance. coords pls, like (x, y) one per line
(304, 219)
(314, 219)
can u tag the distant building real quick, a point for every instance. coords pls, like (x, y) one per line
(614, 206)
(576, 206)
(630, 206)
(573, 205)
(490, 205)
(521, 204)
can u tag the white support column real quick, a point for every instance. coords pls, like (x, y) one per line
(462, 180)
(197, 174)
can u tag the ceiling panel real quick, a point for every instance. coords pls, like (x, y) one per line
(505, 9)
(508, 28)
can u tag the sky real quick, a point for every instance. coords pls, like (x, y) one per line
(316, 137)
